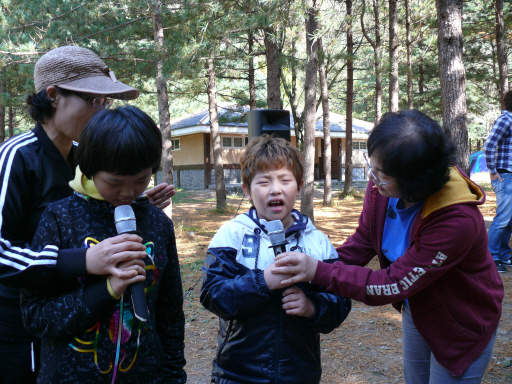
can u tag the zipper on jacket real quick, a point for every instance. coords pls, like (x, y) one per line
(276, 360)
(228, 331)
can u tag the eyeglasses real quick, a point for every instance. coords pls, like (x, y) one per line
(373, 174)
(97, 102)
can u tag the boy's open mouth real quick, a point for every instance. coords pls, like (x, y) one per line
(275, 204)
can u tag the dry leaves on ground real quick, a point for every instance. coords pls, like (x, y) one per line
(366, 348)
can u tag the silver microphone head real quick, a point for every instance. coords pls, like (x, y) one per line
(275, 231)
(125, 219)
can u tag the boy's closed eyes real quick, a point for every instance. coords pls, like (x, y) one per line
(273, 193)
(121, 190)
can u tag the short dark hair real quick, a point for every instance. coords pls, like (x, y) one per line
(508, 100)
(264, 153)
(415, 150)
(122, 140)
(40, 106)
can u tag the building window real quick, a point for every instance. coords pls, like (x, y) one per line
(226, 142)
(238, 142)
(175, 144)
(232, 142)
(359, 145)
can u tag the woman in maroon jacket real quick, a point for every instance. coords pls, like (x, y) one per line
(421, 218)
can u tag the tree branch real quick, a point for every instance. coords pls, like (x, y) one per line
(232, 77)
(47, 21)
(122, 59)
(111, 29)
(21, 53)
(363, 28)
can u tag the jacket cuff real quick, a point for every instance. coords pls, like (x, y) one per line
(323, 274)
(316, 315)
(98, 299)
(71, 262)
(260, 279)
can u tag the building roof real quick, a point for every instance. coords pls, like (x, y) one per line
(233, 120)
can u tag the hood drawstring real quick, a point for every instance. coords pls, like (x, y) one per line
(257, 232)
(296, 246)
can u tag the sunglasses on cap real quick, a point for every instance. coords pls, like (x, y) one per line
(97, 102)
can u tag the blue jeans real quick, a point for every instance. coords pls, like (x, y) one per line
(421, 367)
(501, 227)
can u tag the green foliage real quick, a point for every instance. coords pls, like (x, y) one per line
(121, 32)
(350, 195)
(183, 196)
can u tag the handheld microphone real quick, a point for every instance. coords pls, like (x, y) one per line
(126, 223)
(275, 231)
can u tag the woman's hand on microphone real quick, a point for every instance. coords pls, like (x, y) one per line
(300, 265)
(104, 257)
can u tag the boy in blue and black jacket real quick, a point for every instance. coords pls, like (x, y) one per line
(88, 328)
(267, 333)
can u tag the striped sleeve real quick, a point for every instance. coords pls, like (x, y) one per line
(498, 146)
(20, 265)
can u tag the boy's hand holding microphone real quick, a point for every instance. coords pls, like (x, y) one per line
(295, 301)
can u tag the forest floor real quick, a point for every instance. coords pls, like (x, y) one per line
(366, 348)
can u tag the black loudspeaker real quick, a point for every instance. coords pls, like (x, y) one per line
(269, 121)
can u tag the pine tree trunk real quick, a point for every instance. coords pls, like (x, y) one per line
(377, 62)
(252, 84)
(291, 93)
(410, 96)
(327, 155)
(453, 76)
(2, 108)
(393, 55)
(350, 98)
(310, 112)
(12, 113)
(421, 76)
(500, 46)
(421, 67)
(273, 70)
(220, 186)
(163, 98)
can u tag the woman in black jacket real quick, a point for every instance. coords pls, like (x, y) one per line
(72, 83)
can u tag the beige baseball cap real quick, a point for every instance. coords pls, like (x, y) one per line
(81, 70)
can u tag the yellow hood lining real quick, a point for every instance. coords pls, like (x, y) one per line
(85, 186)
(459, 189)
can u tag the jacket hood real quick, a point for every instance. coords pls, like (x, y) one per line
(302, 222)
(86, 189)
(84, 186)
(459, 190)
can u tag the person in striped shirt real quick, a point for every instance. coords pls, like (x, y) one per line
(498, 157)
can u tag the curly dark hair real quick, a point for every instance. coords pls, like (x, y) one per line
(40, 106)
(415, 150)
